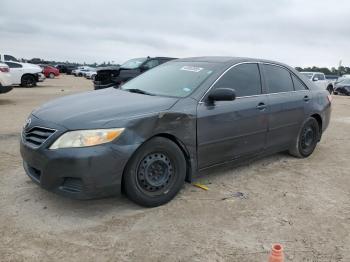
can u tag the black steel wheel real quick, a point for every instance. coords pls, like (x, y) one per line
(307, 139)
(155, 173)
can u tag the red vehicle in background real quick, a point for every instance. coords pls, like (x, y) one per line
(50, 71)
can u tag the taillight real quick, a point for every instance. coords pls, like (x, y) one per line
(4, 69)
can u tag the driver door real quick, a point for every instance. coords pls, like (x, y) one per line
(227, 130)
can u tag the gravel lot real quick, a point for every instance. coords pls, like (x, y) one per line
(304, 204)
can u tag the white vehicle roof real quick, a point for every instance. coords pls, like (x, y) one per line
(312, 73)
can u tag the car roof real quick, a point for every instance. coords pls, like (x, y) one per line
(309, 72)
(227, 60)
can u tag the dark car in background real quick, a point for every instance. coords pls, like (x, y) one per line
(343, 87)
(169, 124)
(67, 69)
(117, 75)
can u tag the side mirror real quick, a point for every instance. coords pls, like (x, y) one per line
(222, 94)
(315, 79)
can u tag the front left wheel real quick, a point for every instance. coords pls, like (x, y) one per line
(155, 173)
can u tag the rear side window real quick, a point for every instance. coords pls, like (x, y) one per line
(278, 79)
(298, 85)
(13, 65)
(244, 79)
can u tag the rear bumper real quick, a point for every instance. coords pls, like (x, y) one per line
(5, 89)
(5, 79)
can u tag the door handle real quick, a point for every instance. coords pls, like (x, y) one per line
(306, 98)
(261, 106)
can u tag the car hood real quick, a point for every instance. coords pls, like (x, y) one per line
(101, 109)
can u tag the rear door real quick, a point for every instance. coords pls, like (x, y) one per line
(286, 106)
(16, 72)
(227, 130)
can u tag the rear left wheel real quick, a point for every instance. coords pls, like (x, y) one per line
(28, 81)
(307, 139)
(155, 173)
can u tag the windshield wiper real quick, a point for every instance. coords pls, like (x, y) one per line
(139, 91)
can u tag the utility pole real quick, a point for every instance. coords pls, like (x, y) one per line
(339, 67)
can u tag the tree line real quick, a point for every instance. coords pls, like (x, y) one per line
(342, 70)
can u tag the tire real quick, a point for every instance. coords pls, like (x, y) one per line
(330, 89)
(335, 93)
(28, 81)
(307, 139)
(155, 173)
(93, 77)
(51, 75)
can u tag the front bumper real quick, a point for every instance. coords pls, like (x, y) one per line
(81, 173)
(98, 86)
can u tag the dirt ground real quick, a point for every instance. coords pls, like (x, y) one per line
(303, 204)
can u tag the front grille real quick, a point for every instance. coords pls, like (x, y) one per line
(36, 136)
(73, 185)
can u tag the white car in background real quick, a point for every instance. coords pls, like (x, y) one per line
(25, 74)
(320, 80)
(5, 79)
(81, 70)
(91, 74)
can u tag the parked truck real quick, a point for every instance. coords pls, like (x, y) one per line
(320, 80)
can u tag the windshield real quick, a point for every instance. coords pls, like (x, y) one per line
(177, 79)
(308, 75)
(133, 63)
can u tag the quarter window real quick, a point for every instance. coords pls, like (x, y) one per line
(244, 79)
(278, 79)
(298, 85)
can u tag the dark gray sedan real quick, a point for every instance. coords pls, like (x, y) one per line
(169, 124)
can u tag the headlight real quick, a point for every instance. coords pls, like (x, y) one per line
(83, 138)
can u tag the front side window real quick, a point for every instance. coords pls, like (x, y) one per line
(244, 79)
(174, 79)
(320, 77)
(278, 79)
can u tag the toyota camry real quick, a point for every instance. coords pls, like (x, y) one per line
(168, 125)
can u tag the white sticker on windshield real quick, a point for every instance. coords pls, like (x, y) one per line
(191, 68)
(186, 89)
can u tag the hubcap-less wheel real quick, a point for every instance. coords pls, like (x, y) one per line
(307, 137)
(28, 81)
(154, 174)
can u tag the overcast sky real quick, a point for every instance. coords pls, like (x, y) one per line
(296, 32)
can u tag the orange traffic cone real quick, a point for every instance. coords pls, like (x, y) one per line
(276, 254)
